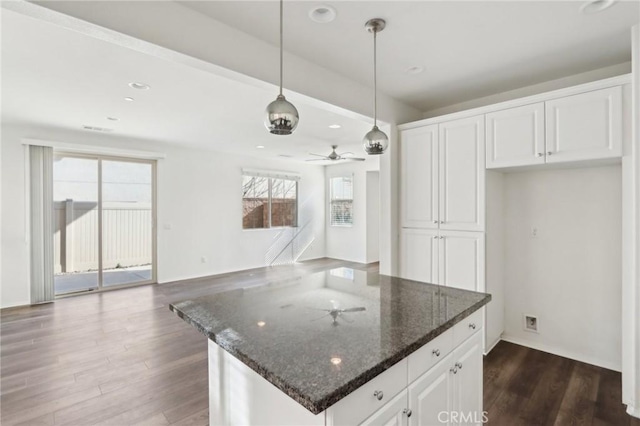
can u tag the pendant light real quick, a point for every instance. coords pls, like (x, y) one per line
(281, 117)
(375, 141)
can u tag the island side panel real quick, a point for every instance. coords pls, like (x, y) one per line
(240, 396)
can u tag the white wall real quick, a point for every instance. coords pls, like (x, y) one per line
(198, 198)
(350, 242)
(569, 275)
(373, 216)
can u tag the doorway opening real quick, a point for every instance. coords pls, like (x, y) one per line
(104, 215)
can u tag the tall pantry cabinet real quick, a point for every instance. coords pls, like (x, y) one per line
(442, 203)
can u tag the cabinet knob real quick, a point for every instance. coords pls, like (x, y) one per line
(435, 237)
(379, 395)
(441, 237)
(435, 221)
(549, 153)
(540, 154)
(407, 412)
(459, 365)
(436, 352)
(454, 370)
(472, 326)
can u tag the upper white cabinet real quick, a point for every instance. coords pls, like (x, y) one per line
(515, 136)
(442, 176)
(461, 174)
(419, 176)
(584, 126)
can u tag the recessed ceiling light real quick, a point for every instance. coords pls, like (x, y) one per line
(417, 69)
(322, 14)
(113, 118)
(139, 86)
(261, 323)
(128, 99)
(260, 146)
(336, 360)
(334, 126)
(595, 6)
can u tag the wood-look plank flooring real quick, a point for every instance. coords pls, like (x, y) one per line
(523, 386)
(122, 358)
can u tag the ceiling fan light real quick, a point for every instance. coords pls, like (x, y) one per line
(375, 141)
(281, 117)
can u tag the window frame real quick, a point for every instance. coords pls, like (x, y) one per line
(352, 199)
(270, 178)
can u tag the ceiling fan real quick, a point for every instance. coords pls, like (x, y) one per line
(334, 156)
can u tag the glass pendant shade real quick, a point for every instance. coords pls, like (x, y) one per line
(375, 141)
(281, 117)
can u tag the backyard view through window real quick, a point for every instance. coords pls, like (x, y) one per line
(269, 202)
(341, 205)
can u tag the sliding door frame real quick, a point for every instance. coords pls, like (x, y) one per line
(154, 233)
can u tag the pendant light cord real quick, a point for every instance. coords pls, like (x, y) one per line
(375, 80)
(281, 66)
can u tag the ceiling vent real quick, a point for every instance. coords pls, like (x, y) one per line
(96, 128)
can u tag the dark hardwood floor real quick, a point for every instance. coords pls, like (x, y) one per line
(122, 358)
(523, 386)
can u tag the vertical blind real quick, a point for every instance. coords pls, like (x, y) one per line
(341, 204)
(41, 226)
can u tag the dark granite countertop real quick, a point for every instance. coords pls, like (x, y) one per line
(285, 332)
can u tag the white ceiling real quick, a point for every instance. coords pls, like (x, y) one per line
(64, 79)
(468, 49)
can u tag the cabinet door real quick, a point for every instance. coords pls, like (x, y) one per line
(419, 177)
(467, 388)
(391, 414)
(419, 255)
(585, 126)
(462, 186)
(461, 260)
(515, 136)
(430, 396)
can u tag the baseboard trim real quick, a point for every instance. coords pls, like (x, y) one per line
(633, 411)
(486, 352)
(563, 353)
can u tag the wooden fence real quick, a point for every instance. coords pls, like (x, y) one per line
(127, 235)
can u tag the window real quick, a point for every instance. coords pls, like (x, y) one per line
(269, 202)
(341, 204)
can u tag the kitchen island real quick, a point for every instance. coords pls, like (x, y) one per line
(342, 347)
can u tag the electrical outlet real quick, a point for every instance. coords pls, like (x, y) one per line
(530, 323)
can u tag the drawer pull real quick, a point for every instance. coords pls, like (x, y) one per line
(454, 370)
(379, 395)
(407, 412)
(540, 154)
(459, 365)
(436, 352)
(549, 153)
(472, 325)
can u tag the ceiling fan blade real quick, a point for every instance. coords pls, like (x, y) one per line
(353, 159)
(318, 155)
(318, 159)
(360, 309)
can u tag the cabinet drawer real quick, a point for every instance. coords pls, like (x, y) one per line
(467, 327)
(361, 403)
(430, 354)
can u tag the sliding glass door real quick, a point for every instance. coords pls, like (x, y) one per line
(104, 215)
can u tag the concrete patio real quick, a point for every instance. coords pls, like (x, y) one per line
(70, 283)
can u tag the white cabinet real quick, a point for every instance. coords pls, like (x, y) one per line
(442, 176)
(432, 394)
(461, 258)
(419, 255)
(394, 413)
(461, 174)
(451, 258)
(515, 136)
(419, 176)
(451, 392)
(584, 126)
